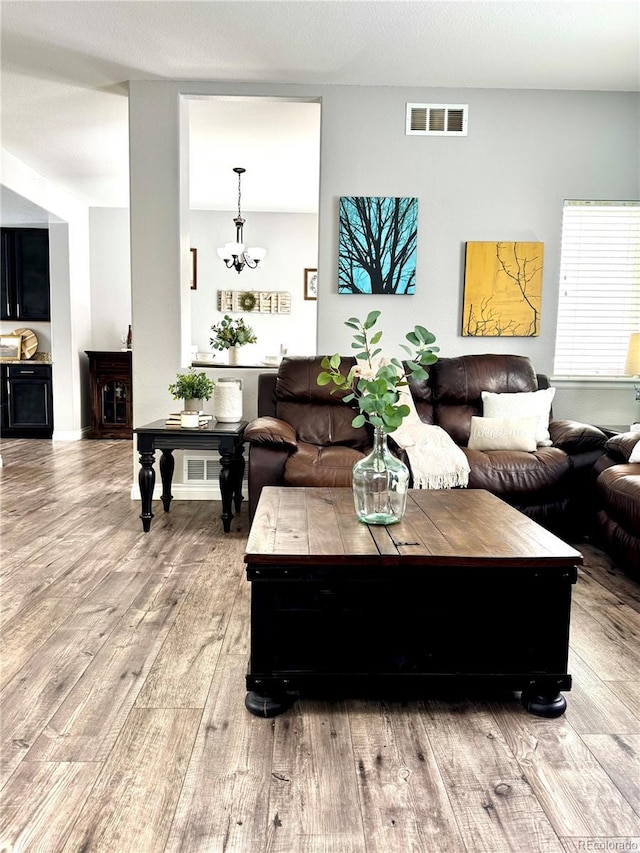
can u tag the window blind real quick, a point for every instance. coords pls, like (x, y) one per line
(599, 294)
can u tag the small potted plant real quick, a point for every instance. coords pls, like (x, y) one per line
(193, 388)
(230, 334)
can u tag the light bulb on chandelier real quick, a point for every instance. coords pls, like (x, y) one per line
(234, 254)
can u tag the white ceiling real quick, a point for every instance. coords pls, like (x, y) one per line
(65, 65)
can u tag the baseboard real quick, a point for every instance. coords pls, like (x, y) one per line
(69, 435)
(182, 492)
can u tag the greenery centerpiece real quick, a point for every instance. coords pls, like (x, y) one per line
(375, 385)
(229, 334)
(192, 386)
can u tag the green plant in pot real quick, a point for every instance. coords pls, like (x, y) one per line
(229, 334)
(193, 388)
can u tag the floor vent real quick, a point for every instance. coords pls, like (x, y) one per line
(201, 469)
(436, 119)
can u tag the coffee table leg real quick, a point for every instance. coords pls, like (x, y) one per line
(549, 705)
(266, 706)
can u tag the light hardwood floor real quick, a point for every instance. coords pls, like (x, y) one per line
(123, 727)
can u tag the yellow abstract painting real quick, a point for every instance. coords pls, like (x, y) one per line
(502, 289)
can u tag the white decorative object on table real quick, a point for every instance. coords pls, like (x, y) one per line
(227, 401)
(190, 419)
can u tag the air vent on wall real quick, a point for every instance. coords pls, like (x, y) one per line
(201, 469)
(436, 119)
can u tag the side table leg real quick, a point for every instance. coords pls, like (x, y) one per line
(167, 464)
(227, 483)
(146, 481)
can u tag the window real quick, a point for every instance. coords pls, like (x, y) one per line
(599, 296)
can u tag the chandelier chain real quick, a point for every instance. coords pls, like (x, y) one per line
(239, 177)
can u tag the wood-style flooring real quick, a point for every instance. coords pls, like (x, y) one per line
(123, 728)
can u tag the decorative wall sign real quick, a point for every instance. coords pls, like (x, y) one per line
(502, 289)
(260, 301)
(310, 283)
(377, 245)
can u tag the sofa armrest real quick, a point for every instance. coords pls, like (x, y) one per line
(267, 430)
(619, 447)
(575, 437)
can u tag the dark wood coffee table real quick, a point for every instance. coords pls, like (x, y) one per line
(464, 592)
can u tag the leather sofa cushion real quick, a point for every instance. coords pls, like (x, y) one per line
(506, 472)
(268, 430)
(323, 424)
(311, 465)
(575, 437)
(316, 415)
(619, 447)
(619, 492)
(463, 379)
(457, 385)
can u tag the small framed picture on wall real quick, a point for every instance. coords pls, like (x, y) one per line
(310, 283)
(194, 269)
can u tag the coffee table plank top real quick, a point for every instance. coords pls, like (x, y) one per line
(445, 527)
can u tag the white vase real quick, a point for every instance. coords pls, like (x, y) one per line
(227, 401)
(234, 356)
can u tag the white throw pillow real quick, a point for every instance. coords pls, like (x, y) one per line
(522, 405)
(503, 433)
(635, 453)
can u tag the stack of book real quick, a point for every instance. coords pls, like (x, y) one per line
(174, 419)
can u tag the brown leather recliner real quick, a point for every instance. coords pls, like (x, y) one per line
(618, 501)
(303, 436)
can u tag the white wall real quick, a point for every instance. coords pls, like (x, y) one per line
(291, 241)
(110, 277)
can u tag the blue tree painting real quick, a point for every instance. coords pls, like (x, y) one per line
(377, 245)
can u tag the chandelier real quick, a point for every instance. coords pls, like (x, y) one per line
(234, 254)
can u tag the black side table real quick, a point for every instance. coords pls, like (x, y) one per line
(227, 439)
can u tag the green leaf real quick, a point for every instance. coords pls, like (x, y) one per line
(358, 421)
(335, 361)
(372, 317)
(425, 335)
(323, 379)
(376, 338)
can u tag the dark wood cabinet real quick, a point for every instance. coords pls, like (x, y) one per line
(25, 286)
(26, 398)
(111, 394)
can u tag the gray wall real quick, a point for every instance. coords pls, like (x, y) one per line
(526, 151)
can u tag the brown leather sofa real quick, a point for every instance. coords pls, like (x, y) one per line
(303, 436)
(618, 501)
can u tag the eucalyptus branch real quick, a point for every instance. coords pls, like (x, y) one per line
(375, 389)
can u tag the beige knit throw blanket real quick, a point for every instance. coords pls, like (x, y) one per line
(436, 460)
